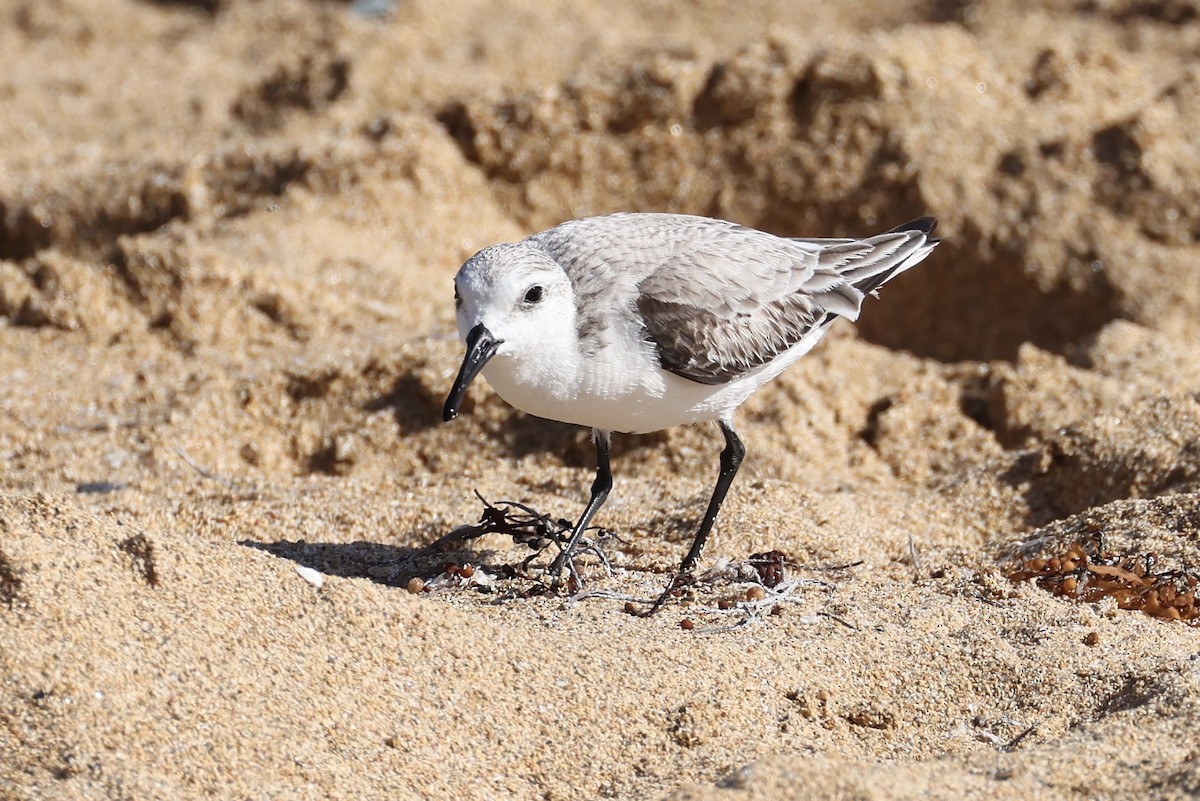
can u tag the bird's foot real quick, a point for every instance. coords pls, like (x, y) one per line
(572, 582)
(575, 547)
(675, 589)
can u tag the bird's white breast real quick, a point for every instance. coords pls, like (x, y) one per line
(622, 387)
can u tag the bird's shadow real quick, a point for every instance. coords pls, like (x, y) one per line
(389, 565)
(415, 406)
(418, 408)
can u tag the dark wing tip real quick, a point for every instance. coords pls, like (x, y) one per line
(925, 225)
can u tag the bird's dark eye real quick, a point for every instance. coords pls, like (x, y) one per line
(534, 295)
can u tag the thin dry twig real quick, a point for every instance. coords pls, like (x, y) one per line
(227, 483)
(915, 558)
(837, 619)
(828, 568)
(1014, 742)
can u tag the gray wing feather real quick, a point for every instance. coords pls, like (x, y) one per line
(718, 299)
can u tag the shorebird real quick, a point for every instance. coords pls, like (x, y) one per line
(637, 322)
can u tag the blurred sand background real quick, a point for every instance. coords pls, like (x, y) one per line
(227, 236)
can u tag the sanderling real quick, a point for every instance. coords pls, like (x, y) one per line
(638, 322)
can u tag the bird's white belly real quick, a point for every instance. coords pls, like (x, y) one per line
(636, 409)
(616, 393)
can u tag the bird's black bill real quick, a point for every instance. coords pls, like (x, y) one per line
(481, 346)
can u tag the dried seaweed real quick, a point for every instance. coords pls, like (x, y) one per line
(1131, 580)
(763, 588)
(761, 583)
(535, 530)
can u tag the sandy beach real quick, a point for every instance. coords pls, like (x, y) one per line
(228, 232)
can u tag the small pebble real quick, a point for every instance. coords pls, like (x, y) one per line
(755, 593)
(686, 624)
(1092, 639)
(415, 585)
(313, 577)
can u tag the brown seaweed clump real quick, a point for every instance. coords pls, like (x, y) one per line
(1131, 580)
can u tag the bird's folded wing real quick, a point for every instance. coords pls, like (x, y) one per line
(732, 299)
(718, 299)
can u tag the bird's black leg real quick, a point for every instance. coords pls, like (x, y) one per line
(731, 459)
(600, 489)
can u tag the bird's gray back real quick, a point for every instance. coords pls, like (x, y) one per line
(626, 248)
(716, 299)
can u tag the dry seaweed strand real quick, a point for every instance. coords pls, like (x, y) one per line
(764, 574)
(535, 530)
(1131, 580)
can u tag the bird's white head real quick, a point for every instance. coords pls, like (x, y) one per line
(514, 305)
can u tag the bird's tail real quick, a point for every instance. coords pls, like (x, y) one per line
(921, 243)
(872, 262)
